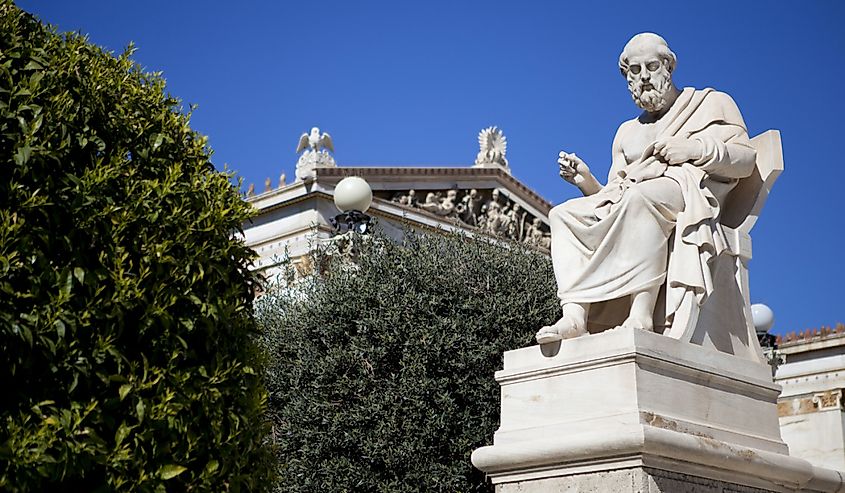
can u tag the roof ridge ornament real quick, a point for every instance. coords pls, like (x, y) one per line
(493, 147)
(316, 146)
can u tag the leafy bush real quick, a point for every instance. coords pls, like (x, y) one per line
(381, 375)
(125, 301)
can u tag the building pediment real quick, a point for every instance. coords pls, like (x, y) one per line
(477, 199)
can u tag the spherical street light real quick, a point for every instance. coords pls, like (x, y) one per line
(763, 317)
(352, 197)
(353, 193)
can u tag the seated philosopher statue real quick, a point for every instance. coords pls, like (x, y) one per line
(646, 240)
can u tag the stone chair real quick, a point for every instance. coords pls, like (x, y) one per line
(724, 321)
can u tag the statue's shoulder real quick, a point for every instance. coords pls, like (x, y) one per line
(628, 124)
(719, 105)
(624, 128)
(713, 96)
(727, 106)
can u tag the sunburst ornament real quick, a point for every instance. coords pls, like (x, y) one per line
(492, 148)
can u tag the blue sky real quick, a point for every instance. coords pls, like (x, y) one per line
(402, 83)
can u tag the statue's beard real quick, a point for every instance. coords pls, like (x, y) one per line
(656, 98)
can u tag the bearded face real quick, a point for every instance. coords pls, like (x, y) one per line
(650, 82)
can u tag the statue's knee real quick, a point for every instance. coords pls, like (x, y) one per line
(636, 195)
(558, 215)
(558, 210)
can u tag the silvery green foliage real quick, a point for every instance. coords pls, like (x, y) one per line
(381, 377)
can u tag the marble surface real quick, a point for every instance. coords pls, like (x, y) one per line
(634, 480)
(492, 149)
(315, 147)
(629, 398)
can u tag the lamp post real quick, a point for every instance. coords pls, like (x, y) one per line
(352, 197)
(764, 318)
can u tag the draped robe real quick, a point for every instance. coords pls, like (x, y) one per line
(635, 235)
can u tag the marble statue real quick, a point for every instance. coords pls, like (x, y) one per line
(315, 141)
(436, 204)
(409, 199)
(497, 215)
(432, 203)
(493, 147)
(516, 222)
(268, 184)
(535, 236)
(651, 233)
(448, 206)
(494, 212)
(316, 147)
(282, 179)
(469, 210)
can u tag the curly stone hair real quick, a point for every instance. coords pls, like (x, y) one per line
(658, 44)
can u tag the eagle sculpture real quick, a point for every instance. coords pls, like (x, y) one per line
(315, 141)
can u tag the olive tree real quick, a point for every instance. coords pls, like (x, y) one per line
(381, 370)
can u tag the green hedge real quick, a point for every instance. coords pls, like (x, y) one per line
(125, 301)
(382, 374)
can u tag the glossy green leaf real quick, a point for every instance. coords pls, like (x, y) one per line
(124, 390)
(170, 471)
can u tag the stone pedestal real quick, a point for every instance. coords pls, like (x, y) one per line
(633, 411)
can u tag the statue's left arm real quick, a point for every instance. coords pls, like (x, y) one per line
(726, 150)
(714, 138)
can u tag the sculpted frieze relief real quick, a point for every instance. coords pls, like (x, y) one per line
(489, 211)
(829, 400)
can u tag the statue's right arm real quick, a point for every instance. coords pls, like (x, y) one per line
(589, 185)
(574, 170)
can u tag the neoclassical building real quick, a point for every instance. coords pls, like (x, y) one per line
(810, 408)
(480, 198)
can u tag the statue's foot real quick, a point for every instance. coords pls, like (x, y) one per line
(638, 322)
(565, 328)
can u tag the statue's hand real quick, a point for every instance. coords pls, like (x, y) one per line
(573, 169)
(678, 150)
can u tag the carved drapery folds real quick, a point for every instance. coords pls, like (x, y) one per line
(489, 211)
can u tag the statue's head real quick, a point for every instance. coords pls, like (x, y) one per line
(647, 64)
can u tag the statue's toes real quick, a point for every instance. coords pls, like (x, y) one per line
(547, 335)
(636, 323)
(572, 332)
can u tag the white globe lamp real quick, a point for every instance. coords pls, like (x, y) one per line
(763, 317)
(352, 197)
(353, 193)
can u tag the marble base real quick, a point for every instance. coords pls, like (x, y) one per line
(637, 480)
(628, 399)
